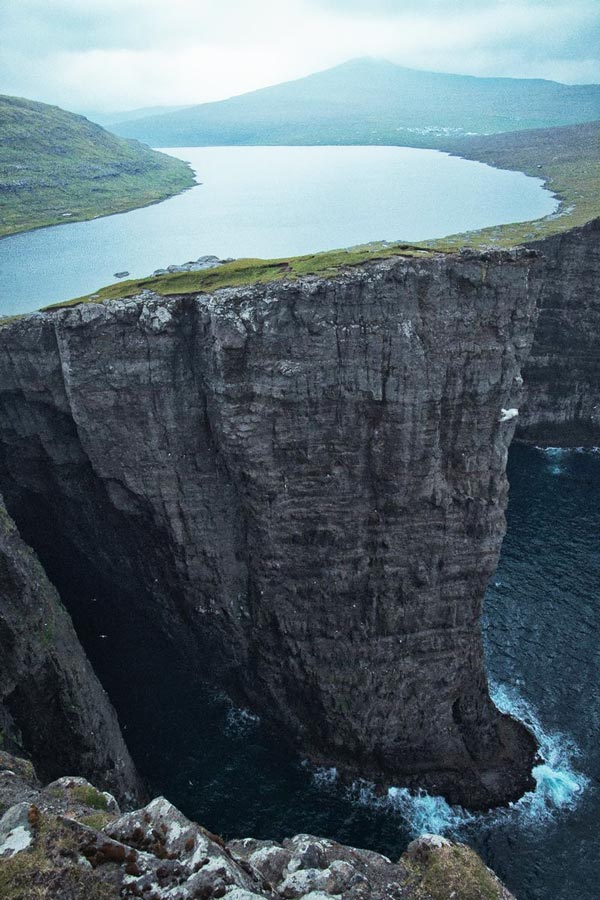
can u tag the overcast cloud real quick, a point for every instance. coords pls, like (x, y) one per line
(120, 54)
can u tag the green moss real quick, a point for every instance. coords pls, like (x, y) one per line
(249, 271)
(454, 872)
(58, 167)
(89, 796)
(23, 767)
(97, 820)
(49, 869)
(48, 634)
(7, 526)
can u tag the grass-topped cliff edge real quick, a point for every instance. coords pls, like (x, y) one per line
(56, 166)
(566, 158)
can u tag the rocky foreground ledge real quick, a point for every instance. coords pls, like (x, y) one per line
(68, 841)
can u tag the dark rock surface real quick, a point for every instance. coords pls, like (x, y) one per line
(52, 705)
(70, 841)
(303, 486)
(562, 375)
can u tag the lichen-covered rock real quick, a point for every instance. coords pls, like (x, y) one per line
(16, 831)
(444, 870)
(59, 847)
(52, 705)
(18, 781)
(268, 858)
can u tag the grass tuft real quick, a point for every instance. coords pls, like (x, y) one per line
(89, 796)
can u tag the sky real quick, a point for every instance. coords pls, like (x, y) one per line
(112, 55)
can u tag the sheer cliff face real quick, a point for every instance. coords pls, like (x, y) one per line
(562, 376)
(51, 702)
(303, 486)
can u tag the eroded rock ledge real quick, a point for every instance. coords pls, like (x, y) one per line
(303, 486)
(70, 840)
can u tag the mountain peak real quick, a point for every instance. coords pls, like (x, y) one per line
(371, 100)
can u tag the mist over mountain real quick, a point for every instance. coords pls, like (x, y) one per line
(370, 101)
(128, 115)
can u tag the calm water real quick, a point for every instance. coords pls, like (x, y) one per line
(542, 632)
(269, 202)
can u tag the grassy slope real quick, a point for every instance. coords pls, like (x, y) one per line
(58, 167)
(569, 161)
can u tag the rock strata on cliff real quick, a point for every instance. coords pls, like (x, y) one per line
(70, 840)
(302, 485)
(52, 706)
(562, 375)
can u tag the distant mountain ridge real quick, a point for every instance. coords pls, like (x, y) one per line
(368, 101)
(131, 115)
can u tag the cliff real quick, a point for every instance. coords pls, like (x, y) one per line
(51, 702)
(302, 487)
(70, 840)
(562, 374)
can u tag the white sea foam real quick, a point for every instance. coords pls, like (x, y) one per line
(559, 786)
(325, 776)
(558, 451)
(427, 814)
(240, 721)
(555, 457)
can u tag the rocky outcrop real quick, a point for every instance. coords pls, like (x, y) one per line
(562, 375)
(302, 485)
(70, 840)
(52, 706)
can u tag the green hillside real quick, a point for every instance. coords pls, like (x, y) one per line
(567, 159)
(59, 167)
(368, 101)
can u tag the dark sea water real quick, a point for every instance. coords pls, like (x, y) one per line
(269, 202)
(542, 634)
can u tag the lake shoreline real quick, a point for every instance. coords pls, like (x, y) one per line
(265, 203)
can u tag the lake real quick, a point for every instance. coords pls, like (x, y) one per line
(269, 202)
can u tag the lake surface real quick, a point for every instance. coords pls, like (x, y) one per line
(269, 202)
(542, 636)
